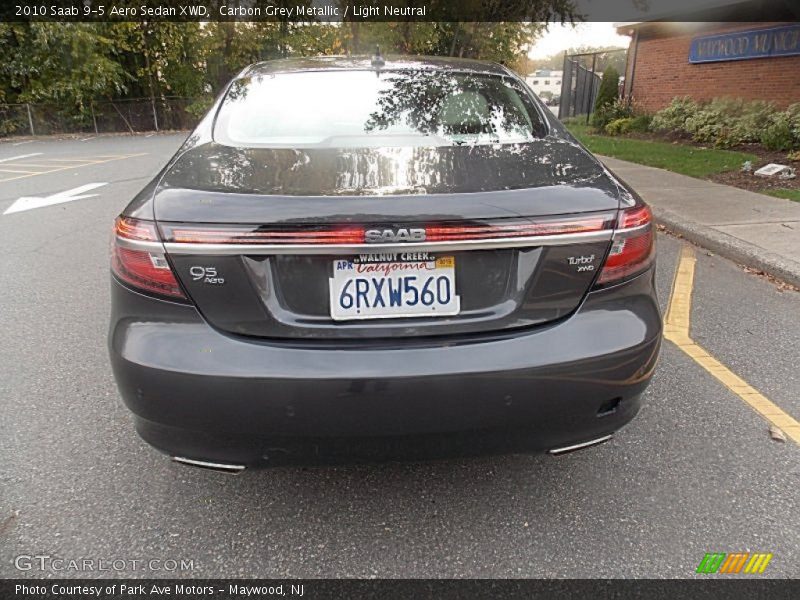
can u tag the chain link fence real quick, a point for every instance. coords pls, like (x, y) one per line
(581, 80)
(118, 116)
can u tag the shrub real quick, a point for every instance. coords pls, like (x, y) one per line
(715, 122)
(674, 116)
(199, 107)
(618, 126)
(12, 126)
(777, 135)
(607, 96)
(641, 123)
(748, 127)
(727, 122)
(793, 114)
(618, 109)
(625, 125)
(609, 88)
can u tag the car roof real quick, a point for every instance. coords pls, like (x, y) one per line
(358, 63)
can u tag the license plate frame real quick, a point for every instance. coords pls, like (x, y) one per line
(405, 277)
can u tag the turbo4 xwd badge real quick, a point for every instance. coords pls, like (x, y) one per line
(582, 263)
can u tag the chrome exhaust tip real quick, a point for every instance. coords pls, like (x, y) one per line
(211, 466)
(581, 446)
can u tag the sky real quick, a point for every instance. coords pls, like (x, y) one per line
(598, 30)
(561, 37)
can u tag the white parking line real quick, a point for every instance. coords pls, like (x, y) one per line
(25, 142)
(2, 160)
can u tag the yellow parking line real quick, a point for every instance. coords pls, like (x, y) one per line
(83, 163)
(100, 157)
(60, 164)
(16, 164)
(4, 170)
(676, 330)
(68, 159)
(89, 161)
(17, 177)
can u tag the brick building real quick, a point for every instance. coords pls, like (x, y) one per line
(704, 60)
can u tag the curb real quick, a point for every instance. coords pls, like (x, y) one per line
(737, 250)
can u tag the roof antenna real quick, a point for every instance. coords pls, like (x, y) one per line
(377, 60)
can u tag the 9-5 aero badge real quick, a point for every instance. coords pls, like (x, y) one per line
(206, 275)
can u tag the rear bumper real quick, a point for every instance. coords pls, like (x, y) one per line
(198, 393)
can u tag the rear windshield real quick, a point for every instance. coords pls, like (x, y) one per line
(337, 109)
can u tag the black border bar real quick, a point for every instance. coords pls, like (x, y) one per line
(297, 11)
(753, 587)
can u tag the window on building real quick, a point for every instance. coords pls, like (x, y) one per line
(535, 82)
(547, 82)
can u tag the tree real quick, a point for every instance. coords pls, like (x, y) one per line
(81, 69)
(605, 105)
(613, 56)
(505, 43)
(73, 65)
(393, 37)
(231, 46)
(609, 89)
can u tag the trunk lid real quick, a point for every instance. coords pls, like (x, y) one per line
(275, 291)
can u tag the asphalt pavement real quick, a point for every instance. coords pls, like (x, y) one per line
(697, 471)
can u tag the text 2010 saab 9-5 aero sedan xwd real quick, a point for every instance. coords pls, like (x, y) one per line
(369, 258)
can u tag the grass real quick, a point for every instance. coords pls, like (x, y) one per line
(784, 193)
(679, 158)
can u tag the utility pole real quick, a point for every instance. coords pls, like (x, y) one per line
(150, 79)
(30, 118)
(94, 118)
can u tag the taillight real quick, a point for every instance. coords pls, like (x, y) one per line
(137, 258)
(561, 226)
(632, 247)
(251, 235)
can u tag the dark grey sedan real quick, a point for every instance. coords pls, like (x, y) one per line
(366, 258)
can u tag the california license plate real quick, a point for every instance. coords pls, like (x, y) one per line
(386, 286)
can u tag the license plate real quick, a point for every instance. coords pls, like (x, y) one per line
(393, 286)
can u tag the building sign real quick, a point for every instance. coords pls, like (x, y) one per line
(742, 45)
